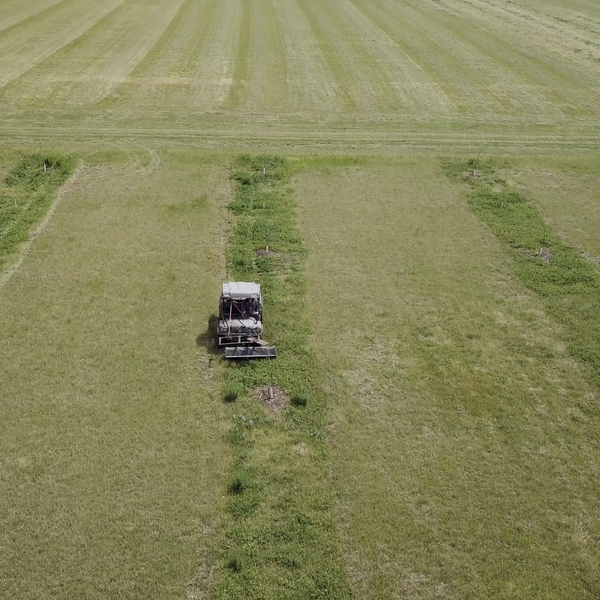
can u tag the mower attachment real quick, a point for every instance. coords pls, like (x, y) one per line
(247, 352)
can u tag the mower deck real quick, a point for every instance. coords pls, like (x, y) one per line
(248, 352)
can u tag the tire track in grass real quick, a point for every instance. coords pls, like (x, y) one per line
(92, 66)
(519, 90)
(445, 63)
(484, 88)
(573, 36)
(411, 74)
(273, 91)
(510, 137)
(15, 12)
(170, 43)
(240, 75)
(343, 80)
(400, 85)
(212, 65)
(280, 538)
(531, 80)
(372, 89)
(29, 15)
(159, 76)
(26, 44)
(311, 87)
(260, 80)
(190, 69)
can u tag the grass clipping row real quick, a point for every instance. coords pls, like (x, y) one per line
(280, 539)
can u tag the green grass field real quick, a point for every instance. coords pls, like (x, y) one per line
(442, 435)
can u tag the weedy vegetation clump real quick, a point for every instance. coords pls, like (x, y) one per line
(26, 194)
(232, 391)
(239, 484)
(299, 399)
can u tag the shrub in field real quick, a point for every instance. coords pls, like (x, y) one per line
(300, 399)
(235, 563)
(232, 391)
(38, 170)
(239, 484)
(291, 561)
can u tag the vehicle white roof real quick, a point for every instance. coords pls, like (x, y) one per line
(238, 290)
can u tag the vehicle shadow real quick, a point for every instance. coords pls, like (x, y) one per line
(208, 338)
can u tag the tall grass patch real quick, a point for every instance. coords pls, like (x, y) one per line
(25, 195)
(567, 283)
(280, 536)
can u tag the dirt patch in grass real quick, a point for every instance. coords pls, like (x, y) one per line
(542, 254)
(272, 398)
(265, 252)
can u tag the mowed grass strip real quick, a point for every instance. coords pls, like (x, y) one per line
(568, 284)
(111, 451)
(25, 195)
(463, 464)
(281, 541)
(376, 68)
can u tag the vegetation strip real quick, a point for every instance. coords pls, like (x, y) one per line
(280, 536)
(568, 284)
(26, 194)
